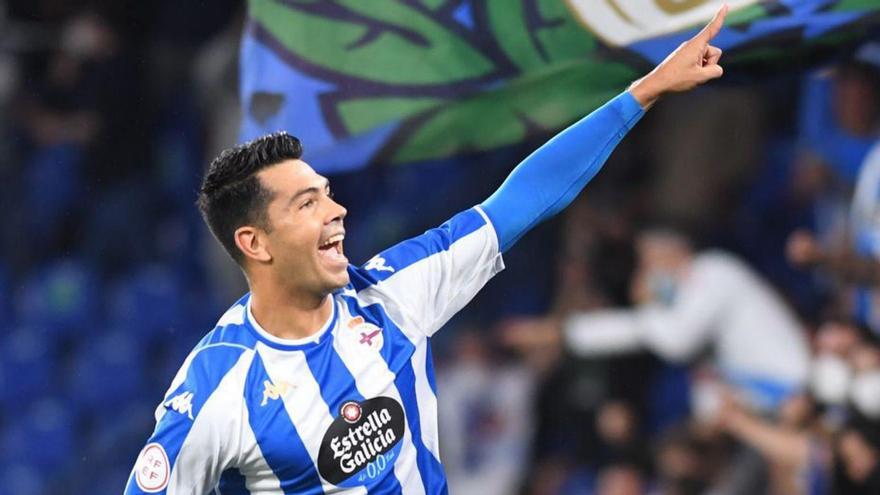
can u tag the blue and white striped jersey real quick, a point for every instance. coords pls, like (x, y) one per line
(351, 409)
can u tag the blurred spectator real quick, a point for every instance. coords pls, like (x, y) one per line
(621, 479)
(796, 448)
(684, 464)
(858, 450)
(687, 303)
(486, 421)
(839, 123)
(831, 373)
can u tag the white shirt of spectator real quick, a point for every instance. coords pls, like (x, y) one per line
(830, 379)
(865, 393)
(865, 209)
(721, 304)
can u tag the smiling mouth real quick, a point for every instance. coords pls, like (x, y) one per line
(331, 249)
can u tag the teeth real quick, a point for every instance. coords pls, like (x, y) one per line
(333, 239)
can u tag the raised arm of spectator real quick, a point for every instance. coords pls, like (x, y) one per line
(551, 177)
(675, 332)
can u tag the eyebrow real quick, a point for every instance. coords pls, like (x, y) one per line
(308, 190)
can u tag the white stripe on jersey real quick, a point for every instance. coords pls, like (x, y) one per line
(374, 379)
(212, 426)
(426, 401)
(291, 367)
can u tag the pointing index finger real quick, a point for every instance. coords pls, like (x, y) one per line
(714, 26)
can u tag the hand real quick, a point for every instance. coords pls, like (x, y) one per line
(527, 333)
(537, 340)
(640, 289)
(694, 62)
(802, 249)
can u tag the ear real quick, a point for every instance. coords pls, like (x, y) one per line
(253, 243)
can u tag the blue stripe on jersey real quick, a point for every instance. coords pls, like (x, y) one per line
(280, 443)
(337, 382)
(232, 482)
(410, 251)
(429, 367)
(397, 352)
(392, 487)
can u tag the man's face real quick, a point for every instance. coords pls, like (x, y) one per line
(306, 234)
(660, 254)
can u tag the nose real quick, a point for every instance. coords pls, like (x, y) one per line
(338, 211)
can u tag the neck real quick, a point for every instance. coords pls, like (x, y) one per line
(289, 315)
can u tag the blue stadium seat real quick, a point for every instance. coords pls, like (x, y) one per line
(43, 436)
(22, 479)
(150, 303)
(117, 228)
(27, 367)
(106, 373)
(5, 299)
(52, 186)
(63, 297)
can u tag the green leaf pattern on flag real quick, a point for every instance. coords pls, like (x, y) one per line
(545, 100)
(526, 67)
(379, 41)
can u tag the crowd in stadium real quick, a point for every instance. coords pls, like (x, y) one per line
(704, 319)
(674, 293)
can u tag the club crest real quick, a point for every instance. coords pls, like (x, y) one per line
(364, 334)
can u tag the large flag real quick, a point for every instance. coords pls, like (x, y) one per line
(361, 81)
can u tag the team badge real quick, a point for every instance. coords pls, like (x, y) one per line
(152, 470)
(365, 334)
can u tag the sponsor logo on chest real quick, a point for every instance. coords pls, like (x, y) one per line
(363, 432)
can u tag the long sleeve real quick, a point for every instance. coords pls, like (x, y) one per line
(552, 176)
(599, 333)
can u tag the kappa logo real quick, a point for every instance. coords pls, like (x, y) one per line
(366, 333)
(181, 403)
(274, 392)
(377, 263)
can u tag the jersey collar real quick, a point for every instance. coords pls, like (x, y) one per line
(289, 344)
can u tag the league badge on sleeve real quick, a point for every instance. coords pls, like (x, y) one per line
(152, 470)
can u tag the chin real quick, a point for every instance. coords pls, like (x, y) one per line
(339, 281)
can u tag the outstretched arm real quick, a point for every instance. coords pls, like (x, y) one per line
(551, 177)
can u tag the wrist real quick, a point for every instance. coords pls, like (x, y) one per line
(646, 90)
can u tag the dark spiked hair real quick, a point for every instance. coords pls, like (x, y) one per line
(231, 195)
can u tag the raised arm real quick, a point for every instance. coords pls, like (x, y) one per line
(551, 177)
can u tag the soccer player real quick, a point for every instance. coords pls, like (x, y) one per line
(319, 380)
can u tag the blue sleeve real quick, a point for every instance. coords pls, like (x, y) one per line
(551, 177)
